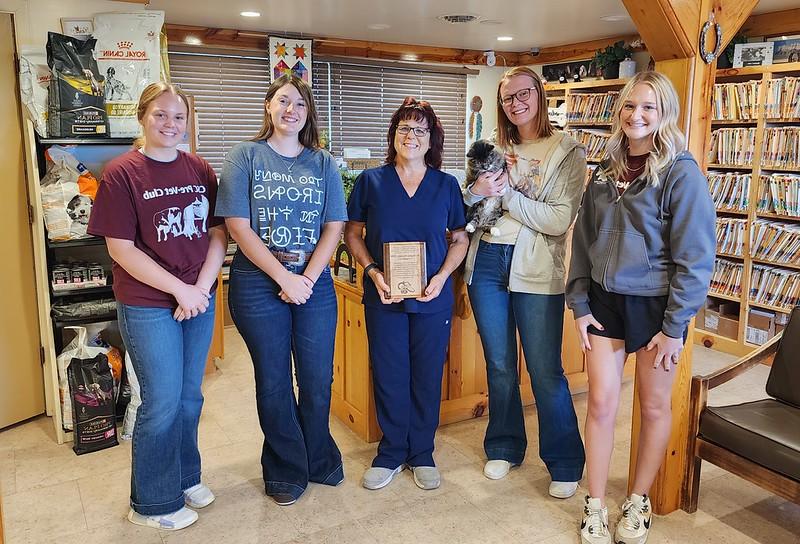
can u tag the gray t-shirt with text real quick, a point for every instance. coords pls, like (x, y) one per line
(286, 200)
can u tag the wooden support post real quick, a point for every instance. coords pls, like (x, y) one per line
(671, 30)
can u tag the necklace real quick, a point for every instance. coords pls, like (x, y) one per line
(286, 164)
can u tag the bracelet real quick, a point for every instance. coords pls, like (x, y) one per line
(309, 279)
(369, 267)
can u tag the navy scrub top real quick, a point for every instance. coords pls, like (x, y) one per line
(379, 200)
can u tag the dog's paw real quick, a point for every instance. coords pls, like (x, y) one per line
(494, 231)
(470, 228)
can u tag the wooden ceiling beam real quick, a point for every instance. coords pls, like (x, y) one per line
(777, 23)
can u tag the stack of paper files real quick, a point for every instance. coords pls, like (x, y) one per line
(781, 147)
(780, 194)
(783, 98)
(729, 190)
(775, 287)
(727, 278)
(730, 236)
(733, 146)
(594, 140)
(775, 242)
(736, 101)
(591, 107)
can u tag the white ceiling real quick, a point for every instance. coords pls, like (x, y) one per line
(532, 23)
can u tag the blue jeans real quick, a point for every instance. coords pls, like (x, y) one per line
(407, 352)
(169, 358)
(499, 314)
(298, 446)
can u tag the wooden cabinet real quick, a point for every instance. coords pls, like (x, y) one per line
(464, 384)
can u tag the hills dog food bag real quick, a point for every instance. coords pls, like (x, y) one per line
(75, 100)
(129, 57)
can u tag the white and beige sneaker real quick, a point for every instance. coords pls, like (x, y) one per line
(167, 522)
(634, 525)
(594, 526)
(198, 496)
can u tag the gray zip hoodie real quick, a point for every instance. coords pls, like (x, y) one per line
(651, 241)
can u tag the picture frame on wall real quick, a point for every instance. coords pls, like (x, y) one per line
(753, 54)
(787, 49)
(586, 69)
(77, 27)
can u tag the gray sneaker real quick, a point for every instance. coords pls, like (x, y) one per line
(378, 477)
(427, 477)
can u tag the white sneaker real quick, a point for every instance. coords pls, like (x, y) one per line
(378, 477)
(496, 469)
(562, 490)
(634, 525)
(594, 527)
(167, 522)
(198, 496)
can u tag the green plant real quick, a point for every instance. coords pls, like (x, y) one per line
(612, 54)
(348, 181)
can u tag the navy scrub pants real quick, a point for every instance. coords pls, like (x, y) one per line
(407, 352)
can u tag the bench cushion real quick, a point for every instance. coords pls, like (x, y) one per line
(766, 432)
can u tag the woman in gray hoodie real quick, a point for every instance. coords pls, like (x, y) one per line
(642, 256)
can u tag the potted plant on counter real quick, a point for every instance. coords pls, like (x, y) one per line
(608, 59)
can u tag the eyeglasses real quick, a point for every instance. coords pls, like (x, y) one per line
(521, 95)
(419, 132)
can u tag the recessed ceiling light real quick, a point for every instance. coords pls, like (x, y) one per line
(409, 56)
(250, 14)
(614, 18)
(192, 40)
(490, 22)
(504, 38)
(378, 26)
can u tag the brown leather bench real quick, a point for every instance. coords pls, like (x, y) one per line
(760, 440)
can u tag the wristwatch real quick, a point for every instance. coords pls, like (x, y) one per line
(369, 267)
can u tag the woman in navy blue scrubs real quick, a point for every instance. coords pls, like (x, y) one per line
(408, 200)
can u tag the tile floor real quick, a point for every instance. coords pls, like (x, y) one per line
(52, 496)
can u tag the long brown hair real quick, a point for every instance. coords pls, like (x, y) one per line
(309, 134)
(418, 110)
(507, 132)
(151, 93)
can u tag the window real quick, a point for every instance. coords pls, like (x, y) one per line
(354, 101)
(228, 93)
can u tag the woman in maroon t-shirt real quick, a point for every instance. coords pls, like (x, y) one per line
(155, 207)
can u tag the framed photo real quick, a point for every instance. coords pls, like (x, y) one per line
(753, 54)
(77, 28)
(787, 50)
(586, 69)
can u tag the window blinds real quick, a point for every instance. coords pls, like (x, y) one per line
(354, 101)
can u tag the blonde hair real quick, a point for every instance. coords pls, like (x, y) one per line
(668, 140)
(309, 134)
(151, 93)
(507, 132)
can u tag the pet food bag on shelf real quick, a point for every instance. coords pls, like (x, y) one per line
(34, 79)
(129, 58)
(91, 386)
(75, 101)
(135, 401)
(79, 347)
(68, 192)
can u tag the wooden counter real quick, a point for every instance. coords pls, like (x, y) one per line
(464, 386)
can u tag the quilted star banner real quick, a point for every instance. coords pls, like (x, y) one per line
(288, 55)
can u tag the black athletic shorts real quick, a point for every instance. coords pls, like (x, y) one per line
(632, 318)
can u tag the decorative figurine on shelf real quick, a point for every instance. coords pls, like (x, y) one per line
(576, 77)
(562, 78)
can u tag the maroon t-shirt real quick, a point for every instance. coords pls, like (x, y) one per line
(166, 209)
(636, 164)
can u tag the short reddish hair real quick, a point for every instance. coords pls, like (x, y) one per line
(418, 110)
